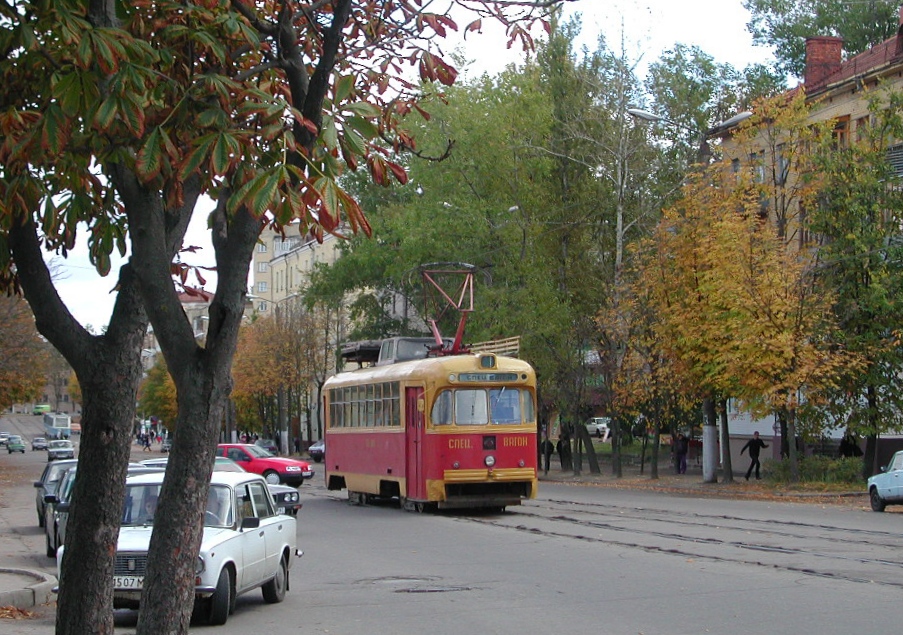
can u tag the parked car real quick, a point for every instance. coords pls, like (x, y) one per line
(286, 498)
(15, 443)
(60, 449)
(166, 446)
(237, 502)
(4, 436)
(598, 427)
(269, 445)
(39, 443)
(50, 478)
(275, 469)
(317, 451)
(57, 513)
(886, 488)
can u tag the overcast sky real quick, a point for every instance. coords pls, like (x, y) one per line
(718, 27)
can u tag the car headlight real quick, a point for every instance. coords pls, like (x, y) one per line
(292, 468)
(293, 497)
(199, 566)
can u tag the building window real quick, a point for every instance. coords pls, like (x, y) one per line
(262, 307)
(895, 158)
(261, 248)
(263, 267)
(261, 287)
(782, 165)
(842, 132)
(862, 128)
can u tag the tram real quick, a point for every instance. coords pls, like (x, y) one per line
(445, 432)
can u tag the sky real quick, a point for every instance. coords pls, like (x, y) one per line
(648, 29)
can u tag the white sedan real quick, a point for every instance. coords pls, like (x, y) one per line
(232, 560)
(886, 488)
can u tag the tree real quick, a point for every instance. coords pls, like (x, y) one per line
(260, 107)
(856, 221)
(157, 395)
(24, 358)
(784, 26)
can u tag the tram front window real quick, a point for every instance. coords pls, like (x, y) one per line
(471, 408)
(504, 405)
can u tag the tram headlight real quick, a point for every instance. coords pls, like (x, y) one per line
(521, 463)
(489, 461)
(456, 465)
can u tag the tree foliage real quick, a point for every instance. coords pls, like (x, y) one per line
(157, 395)
(785, 26)
(24, 358)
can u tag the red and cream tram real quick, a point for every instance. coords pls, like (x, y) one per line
(445, 432)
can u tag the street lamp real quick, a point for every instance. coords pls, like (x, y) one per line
(704, 152)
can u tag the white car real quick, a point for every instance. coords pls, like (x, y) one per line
(886, 488)
(246, 545)
(598, 427)
(62, 449)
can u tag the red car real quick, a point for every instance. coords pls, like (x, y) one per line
(275, 469)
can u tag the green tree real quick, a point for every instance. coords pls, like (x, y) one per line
(259, 107)
(857, 223)
(157, 395)
(784, 26)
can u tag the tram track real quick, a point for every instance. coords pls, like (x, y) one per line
(854, 555)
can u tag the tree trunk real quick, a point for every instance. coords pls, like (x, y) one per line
(108, 368)
(727, 472)
(791, 446)
(709, 442)
(870, 459)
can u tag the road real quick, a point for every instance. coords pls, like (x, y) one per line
(580, 558)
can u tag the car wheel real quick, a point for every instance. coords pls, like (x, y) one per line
(317, 459)
(877, 502)
(271, 477)
(274, 590)
(51, 552)
(221, 600)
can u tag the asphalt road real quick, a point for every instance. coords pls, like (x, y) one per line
(581, 559)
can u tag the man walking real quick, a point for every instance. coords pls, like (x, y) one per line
(755, 444)
(681, 447)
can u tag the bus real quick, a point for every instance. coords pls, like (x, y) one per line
(446, 432)
(57, 426)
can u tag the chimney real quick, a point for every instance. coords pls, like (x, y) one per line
(822, 59)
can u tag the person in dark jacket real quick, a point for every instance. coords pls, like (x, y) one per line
(755, 445)
(681, 447)
(547, 448)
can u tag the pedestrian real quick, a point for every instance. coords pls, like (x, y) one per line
(547, 449)
(755, 444)
(147, 443)
(681, 447)
(297, 445)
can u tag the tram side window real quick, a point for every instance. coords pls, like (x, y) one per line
(529, 410)
(443, 409)
(471, 408)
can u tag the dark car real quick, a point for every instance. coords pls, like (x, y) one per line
(267, 444)
(50, 478)
(317, 451)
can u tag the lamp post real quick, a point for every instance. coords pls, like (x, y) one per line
(703, 152)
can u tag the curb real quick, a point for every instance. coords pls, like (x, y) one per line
(31, 595)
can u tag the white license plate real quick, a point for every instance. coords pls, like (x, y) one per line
(307, 474)
(128, 581)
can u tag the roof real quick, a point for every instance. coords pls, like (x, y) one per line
(231, 479)
(877, 57)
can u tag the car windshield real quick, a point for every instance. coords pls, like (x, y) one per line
(15, 438)
(258, 452)
(141, 505)
(59, 444)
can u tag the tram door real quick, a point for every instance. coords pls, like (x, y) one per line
(416, 487)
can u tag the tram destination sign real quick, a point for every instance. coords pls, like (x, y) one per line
(487, 377)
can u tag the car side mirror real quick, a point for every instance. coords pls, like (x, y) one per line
(883, 468)
(63, 508)
(250, 522)
(38, 484)
(50, 498)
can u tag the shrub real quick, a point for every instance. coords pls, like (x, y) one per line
(817, 469)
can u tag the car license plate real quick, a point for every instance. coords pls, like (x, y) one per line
(280, 510)
(128, 582)
(307, 474)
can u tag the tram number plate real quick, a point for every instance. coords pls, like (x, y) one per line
(128, 582)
